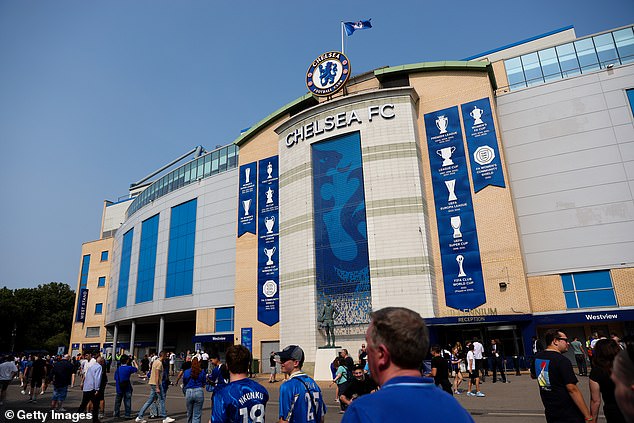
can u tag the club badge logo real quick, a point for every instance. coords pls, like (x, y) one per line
(328, 74)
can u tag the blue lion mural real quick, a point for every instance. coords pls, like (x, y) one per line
(341, 241)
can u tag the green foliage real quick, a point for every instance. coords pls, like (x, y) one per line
(40, 317)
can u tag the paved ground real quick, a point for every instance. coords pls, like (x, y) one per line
(515, 402)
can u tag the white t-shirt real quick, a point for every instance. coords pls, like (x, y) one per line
(478, 350)
(7, 369)
(470, 361)
(172, 358)
(205, 356)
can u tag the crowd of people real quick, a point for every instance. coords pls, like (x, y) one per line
(388, 375)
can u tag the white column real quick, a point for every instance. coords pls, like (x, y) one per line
(161, 334)
(132, 334)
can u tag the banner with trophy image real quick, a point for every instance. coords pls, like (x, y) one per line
(268, 241)
(459, 250)
(246, 198)
(484, 155)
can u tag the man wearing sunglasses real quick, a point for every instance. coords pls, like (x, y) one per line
(563, 402)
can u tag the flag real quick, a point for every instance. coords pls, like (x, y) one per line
(353, 26)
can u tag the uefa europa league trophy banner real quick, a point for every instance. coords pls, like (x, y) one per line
(268, 241)
(459, 250)
(486, 166)
(246, 198)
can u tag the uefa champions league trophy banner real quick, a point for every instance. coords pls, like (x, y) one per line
(246, 198)
(268, 241)
(486, 167)
(459, 250)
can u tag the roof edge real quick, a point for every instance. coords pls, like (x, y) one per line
(484, 66)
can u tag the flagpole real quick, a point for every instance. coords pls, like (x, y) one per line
(342, 37)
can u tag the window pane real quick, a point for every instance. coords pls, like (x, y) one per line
(587, 55)
(600, 298)
(568, 60)
(102, 281)
(566, 280)
(571, 300)
(532, 70)
(550, 64)
(515, 73)
(625, 44)
(214, 162)
(606, 49)
(207, 170)
(104, 256)
(593, 280)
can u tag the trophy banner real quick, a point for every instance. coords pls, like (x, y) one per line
(268, 241)
(246, 198)
(457, 234)
(484, 154)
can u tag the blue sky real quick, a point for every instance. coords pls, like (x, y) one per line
(94, 95)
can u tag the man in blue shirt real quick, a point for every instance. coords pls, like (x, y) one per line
(300, 397)
(124, 386)
(397, 342)
(243, 400)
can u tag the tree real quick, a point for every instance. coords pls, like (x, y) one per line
(36, 318)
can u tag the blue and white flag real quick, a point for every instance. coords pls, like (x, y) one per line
(353, 26)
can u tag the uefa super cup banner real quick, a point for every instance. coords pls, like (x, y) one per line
(268, 241)
(486, 166)
(246, 198)
(82, 305)
(459, 250)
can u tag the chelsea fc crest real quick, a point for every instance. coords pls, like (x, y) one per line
(328, 74)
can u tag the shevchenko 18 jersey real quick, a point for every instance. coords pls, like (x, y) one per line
(242, 401)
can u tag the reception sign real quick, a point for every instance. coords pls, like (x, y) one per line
(268, 241)
(460, 253)
(246, 198)
(486, 166)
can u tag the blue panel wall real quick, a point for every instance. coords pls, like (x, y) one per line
(180, 256)
(341, 241)
(147, 260)
(124, 270)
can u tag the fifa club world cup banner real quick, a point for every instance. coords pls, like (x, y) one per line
(81, 305)
(486, 166)
(268, 241)
(459, 250)
(246, 198)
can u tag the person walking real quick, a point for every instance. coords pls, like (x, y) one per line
(243, 400)
(301, 400)
(397, 342)
(157, 392)
(478, 353)
(580, 356)
(605, 350)
(38, 373)
(8, 370)
(272, 367)
(90, 389)
(562, 399)
(341, 380)
(474, 374)
(456, 365)
(193, 383)
(497, 360)
(61, 376)
(123, 386)
(440, 369)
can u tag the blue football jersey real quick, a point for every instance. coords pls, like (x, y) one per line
(299, 405)
(242, 401)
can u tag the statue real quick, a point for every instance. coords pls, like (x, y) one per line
(327, 320)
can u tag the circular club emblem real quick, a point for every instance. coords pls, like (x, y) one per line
(484, 155)
(269, 289)
(328, 74)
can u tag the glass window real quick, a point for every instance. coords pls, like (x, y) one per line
(180, 255)
(625, 44)
(224, 319)
(550, 64)
(98, 308)
(124, 269)
(207, 170)
(102, 281)
(568, 60)
(214, 162)
(587, 55)
(199, 165)
(588, 289)
(630, 97)
(147, 259)
(187, 173)
(92, 332)
(104, 256)
(606, 50)
(85, 266)
(194, 171)
(223, 160)
(532, 69)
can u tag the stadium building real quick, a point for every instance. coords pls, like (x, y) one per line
(493, 195)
